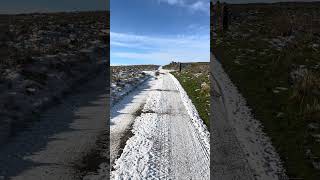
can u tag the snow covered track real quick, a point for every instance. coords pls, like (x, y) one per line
(54, 146)
(241, 149)
(123, 114)
(167, 143)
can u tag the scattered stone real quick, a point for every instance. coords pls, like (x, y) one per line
(316, 137)
(316, 165)
(314, 45)
(237, 62)
(275, 91)
(31, 90)
(280, 114)
(281, 88)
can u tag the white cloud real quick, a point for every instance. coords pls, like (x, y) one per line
(152, 42)
(193, 5)
(199, 6)
(160, 50)
(173, 2)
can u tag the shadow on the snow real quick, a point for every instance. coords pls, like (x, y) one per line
(166, 90)
(100, 154)
(127, 135)
(117, 107)
(36, 137)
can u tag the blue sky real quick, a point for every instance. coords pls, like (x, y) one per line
(29, 6)
(159, 31)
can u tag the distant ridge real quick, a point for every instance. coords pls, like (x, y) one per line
(55, 12)
(269, 3)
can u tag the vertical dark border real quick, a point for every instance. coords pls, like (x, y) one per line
(108, 84)
(211, 91)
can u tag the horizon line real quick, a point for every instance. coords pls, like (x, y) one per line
(274, 2)
(54, 12)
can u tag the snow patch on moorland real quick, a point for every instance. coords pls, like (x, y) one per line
(119, 90)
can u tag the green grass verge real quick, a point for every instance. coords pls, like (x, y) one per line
(199, 97)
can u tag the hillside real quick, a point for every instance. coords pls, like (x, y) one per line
(44, 56)
(272, 53)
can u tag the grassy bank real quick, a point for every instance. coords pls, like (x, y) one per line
(194, 79)
(272, 54)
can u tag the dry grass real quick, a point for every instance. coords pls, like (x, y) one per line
(307, 94)
(205, 88)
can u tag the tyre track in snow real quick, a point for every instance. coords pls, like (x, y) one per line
(122, 116)
(166, 142)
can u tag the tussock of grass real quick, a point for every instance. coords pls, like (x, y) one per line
(307, 89)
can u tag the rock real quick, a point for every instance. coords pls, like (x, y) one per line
(31, 90)
(316, 137)
(316, 165)
(237, 62)
(281, 88)
(280, 114)
(308, 153)
(275, 91)
(13, 76)
(313, 126)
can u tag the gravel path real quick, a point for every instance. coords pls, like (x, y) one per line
(166, 142)
(240, 148)
(52, 146)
